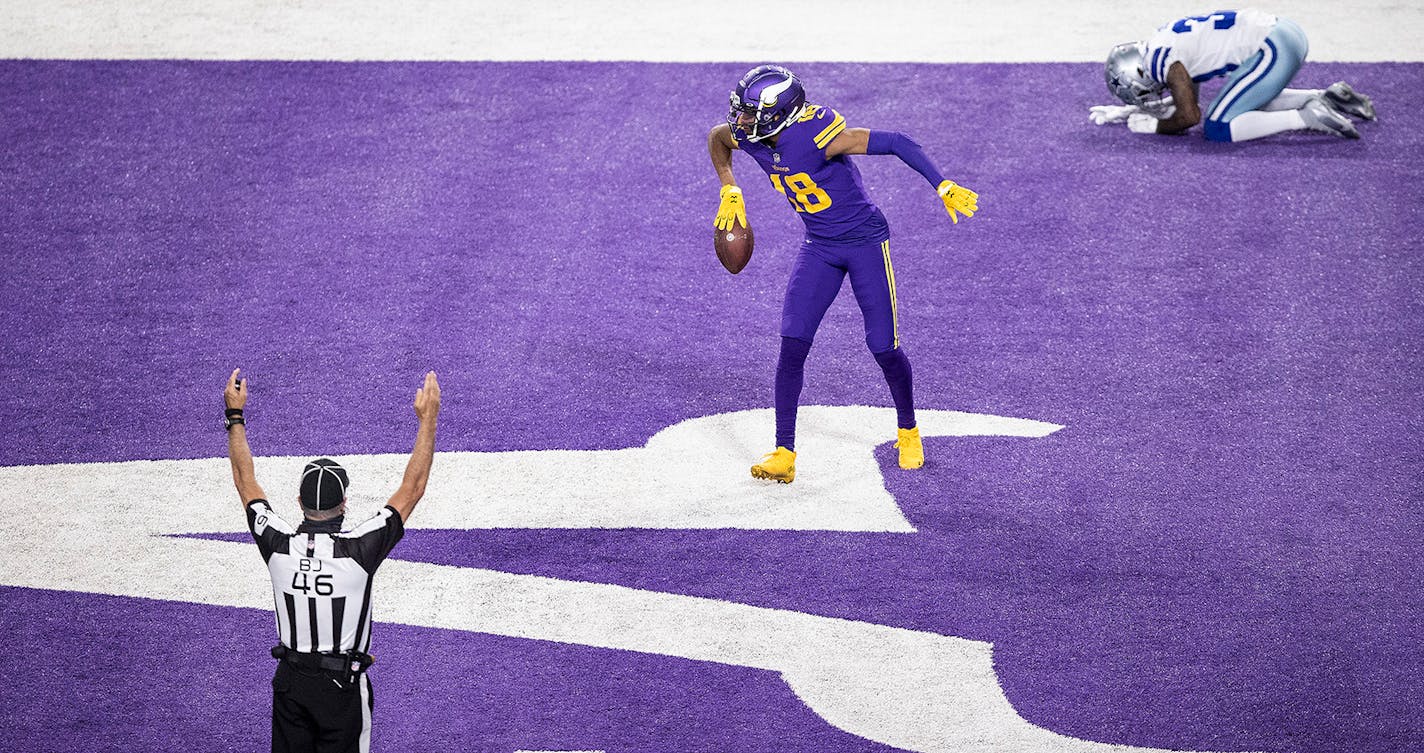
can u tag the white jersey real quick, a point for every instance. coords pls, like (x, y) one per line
(1208, 46)
(321, 576)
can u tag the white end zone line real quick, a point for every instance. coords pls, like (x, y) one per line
(910, 689)
(929, 31)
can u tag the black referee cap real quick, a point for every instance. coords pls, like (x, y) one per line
(323, 484)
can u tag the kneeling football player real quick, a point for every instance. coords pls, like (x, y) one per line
(1158, 79)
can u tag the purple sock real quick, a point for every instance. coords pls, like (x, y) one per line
(897, 374)
(790, 373)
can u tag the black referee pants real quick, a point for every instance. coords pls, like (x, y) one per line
(318, 712)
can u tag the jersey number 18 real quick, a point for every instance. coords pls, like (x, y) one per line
(805, 195)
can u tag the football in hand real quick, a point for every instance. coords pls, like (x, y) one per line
(734, 247)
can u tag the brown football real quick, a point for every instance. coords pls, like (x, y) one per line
(734, 247)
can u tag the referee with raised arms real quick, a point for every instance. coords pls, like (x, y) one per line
(321, 581)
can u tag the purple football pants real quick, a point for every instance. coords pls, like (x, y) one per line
(816, 279)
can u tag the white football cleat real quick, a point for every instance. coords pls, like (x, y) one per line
(1345, 99)
(1320, 116)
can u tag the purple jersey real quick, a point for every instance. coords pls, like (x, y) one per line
(827, 193)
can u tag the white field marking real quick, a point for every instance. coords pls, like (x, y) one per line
(896, 31)
(104, 528)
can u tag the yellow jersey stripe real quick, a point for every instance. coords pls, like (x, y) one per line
(894, 304)
(824, 137)
(830, 137)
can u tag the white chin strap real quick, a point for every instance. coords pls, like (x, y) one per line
(789, 120)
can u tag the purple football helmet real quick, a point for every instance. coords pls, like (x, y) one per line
(765, 101)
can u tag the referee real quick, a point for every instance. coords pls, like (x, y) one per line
(321, 581)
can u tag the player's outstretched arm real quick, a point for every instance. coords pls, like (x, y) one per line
(1105, 114)
(417, 470)
(244, 476)
(849, 141)
(730, 209)
(957, 199)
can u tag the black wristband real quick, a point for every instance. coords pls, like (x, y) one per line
(232, 417)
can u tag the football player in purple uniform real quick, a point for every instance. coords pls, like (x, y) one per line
(805, 149)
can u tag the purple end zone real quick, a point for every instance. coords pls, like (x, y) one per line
(1219, 551)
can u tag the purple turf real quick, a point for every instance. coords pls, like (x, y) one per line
(1220, 551)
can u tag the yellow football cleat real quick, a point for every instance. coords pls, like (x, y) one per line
(912, 450)
(777, 466)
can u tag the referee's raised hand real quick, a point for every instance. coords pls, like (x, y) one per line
(236, 393)
(244, 476)
(417, 471)
(427, 398)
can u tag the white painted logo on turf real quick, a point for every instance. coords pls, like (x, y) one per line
(913, 690)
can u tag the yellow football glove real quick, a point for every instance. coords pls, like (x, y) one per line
(732, 209)
(957, 198)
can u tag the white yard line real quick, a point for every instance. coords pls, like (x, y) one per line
(792, 30)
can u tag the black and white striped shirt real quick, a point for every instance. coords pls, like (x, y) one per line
(321, 579)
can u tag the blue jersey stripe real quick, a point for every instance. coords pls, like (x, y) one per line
(1238, 88)
(1215, 73)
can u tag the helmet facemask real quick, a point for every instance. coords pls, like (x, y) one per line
(766, 100)
(1127, 79)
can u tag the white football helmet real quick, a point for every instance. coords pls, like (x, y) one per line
(1127, 78)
